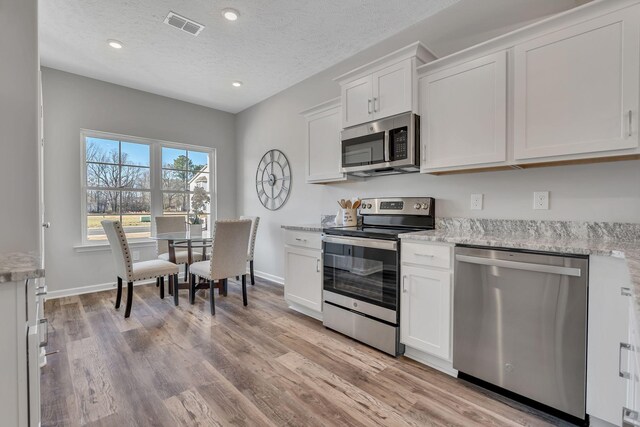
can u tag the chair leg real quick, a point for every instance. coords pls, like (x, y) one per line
(176, 287)
(237, 278)
(119, 294)
(211, 289)
(224, 287)
(161, 284)
(192, 289)
(157, 282)
(186, 272)
(244, 289)
(253, 278)
(127, 312)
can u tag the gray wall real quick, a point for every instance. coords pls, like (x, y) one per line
(603, 192)
(19, 101)
(72, 102)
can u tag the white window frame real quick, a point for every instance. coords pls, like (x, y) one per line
(155, 171)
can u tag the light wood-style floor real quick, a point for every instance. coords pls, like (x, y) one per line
(260, 365)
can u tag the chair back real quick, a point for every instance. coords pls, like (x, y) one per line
(255, 220)
(229, 250)
(119, 248)
(168, 224)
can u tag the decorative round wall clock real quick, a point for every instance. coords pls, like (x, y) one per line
(273, 180)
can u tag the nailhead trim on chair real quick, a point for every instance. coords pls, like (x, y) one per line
(125, 248)
(254, 231)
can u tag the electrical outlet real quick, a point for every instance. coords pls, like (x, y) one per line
(476, 202)
(541, 200)
(135, 255)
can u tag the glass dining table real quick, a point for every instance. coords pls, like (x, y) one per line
(182, 240)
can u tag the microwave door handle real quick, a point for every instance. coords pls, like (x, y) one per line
(387, 157)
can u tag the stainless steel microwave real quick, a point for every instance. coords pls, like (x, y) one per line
(385, 147)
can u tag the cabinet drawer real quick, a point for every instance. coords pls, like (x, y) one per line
(305, 239)
(426, 254)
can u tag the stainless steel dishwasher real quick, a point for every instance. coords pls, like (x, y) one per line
(520, 323)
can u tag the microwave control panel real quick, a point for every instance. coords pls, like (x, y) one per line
(398, 140)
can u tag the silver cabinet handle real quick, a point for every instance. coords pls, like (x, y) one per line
(424, 255)
(374, 104)
(46, 336)
(404, 284)
(300, 240)
(424, 152)
(630, 418)
(630, 122)
(623, 346)
(369, 106)
(625, 292)
(46, 224)
(318, 265)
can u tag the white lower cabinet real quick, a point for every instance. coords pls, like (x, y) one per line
(426, 299)
(303, 273)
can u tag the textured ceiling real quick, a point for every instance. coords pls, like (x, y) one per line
(274, 44)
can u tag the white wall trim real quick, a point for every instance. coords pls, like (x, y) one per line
(89, 289)
(98, 247)
(277, 279)
(430, 360)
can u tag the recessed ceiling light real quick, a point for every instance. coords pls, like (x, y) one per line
(230, 14)
(237, 83)
(115, 44)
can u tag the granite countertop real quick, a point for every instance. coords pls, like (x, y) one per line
(618, 240)
(19, 266)
(304, 227)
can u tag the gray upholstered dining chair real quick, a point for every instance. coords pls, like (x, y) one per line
(228, 259)
(255, 220)
(170, 224)
(131, 271)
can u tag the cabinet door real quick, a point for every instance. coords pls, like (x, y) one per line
(392, 90)
(576, 90)
(324, 153)
(303, 277)
(425, 310)
(357, 102)
(464, 114)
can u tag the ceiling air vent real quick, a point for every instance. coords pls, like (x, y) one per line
(185, 24)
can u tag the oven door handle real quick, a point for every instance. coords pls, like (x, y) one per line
(361, 242)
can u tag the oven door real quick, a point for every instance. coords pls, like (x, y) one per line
(365, 271)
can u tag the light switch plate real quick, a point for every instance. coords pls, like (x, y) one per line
(541, 200)
(476, 202)
(135, 255)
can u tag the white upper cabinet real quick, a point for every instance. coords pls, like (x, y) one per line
(357, 97)
(576, 90)
(382, 88)
(464, 114)
(393, 90)
(323, 143)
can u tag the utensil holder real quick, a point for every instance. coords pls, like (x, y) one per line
(349, 217)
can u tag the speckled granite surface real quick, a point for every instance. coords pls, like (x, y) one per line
(620, 240)
(325, 221)
(18, 266)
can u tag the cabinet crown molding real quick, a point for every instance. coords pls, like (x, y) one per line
(416, 49)
(591, 10)
(319, 108)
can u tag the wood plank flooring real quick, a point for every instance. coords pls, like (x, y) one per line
(261, 365)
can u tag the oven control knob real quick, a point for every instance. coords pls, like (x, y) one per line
(417, 206)
(368, 205)
(425, 206)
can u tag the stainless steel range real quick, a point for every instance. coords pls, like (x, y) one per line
(361, 290)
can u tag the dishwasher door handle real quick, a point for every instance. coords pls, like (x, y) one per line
(540, 268)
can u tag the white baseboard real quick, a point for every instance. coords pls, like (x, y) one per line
(271, 277)
(304, 310)
(89, 289)
(429, 360)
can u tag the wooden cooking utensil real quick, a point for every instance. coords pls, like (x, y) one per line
(348, 204)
